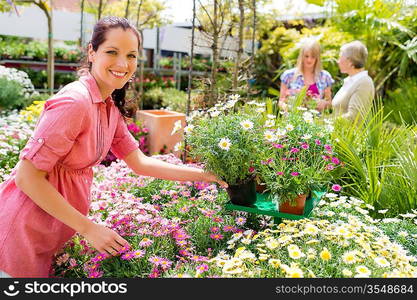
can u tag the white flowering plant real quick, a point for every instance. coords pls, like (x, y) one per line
(17, 88)
(227, 144)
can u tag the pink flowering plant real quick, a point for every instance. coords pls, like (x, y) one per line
(297, 157)
(167, 224)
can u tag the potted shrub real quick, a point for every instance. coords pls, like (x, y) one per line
(227, 145)
(296, 159)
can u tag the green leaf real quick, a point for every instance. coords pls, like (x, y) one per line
(316, 2)
(273, 92)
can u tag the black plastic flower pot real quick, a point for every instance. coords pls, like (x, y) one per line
(243, 194)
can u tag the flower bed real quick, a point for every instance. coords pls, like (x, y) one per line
(182, 230)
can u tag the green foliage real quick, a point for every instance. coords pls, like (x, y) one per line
(388, 29)
(23, 48)
(297, 157)
(401, 103)
(225, 147)
(11, 94)
(169, 98)
(380, 167)
(175, 100)
(400, 232)
(280, 50)
(152, 99)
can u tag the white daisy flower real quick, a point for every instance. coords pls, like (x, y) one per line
(224, 144)
(289, 127)
(246, 125)
(178, 146)
(189, 128)
(215, 113)
(271, 117)
(234, 97)
(269, 123)
(408, 215)
(269, 136)
(281, 133)
(301, 108)
(177, 126)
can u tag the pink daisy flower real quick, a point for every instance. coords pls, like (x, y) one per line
(240, 221)
(216, 236)
(336, 187)
(228, 228)
(214, 229)
(202, 268)
(145, 242)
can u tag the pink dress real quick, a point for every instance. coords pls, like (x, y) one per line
(73, 134)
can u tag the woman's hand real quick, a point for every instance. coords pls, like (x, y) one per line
(104, 239)
(210, 177)
(323, 104)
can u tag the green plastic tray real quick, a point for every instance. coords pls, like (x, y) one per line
(265, 206)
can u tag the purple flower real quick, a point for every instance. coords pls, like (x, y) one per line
(214, 229)
(278, 146)
(228, 228)
(99, 257)
(325, 157)
(240, 221)
(295, 173)
(318, 142)
(294, 150)
(280, 173)
(216, 236)
(202, 268)
(329, 167)
(305, 146)
(336, 187)
(335, 160)
(95, 274)
(251, 169)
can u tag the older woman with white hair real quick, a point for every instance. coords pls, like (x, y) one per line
(354, 99)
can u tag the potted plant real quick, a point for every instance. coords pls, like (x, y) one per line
(227, 145)
(297, 158)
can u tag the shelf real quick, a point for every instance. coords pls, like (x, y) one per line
(265, 206)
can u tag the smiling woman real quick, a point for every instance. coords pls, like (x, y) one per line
(47, 196)
(112, 58)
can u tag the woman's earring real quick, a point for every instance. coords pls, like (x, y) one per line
(132, 78)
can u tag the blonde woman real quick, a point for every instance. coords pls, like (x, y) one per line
(307, 73)
(354, 99)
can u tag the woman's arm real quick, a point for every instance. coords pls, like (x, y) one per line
(148, 166)
(283, 96)
(34, 184)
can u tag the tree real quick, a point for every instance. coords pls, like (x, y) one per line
(47, 9)
(214, 17)
(388, 30)
(240, 43)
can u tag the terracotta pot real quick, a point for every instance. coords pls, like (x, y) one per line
(160, 124)
(260, 188)
(242, 194)
(297, 209)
